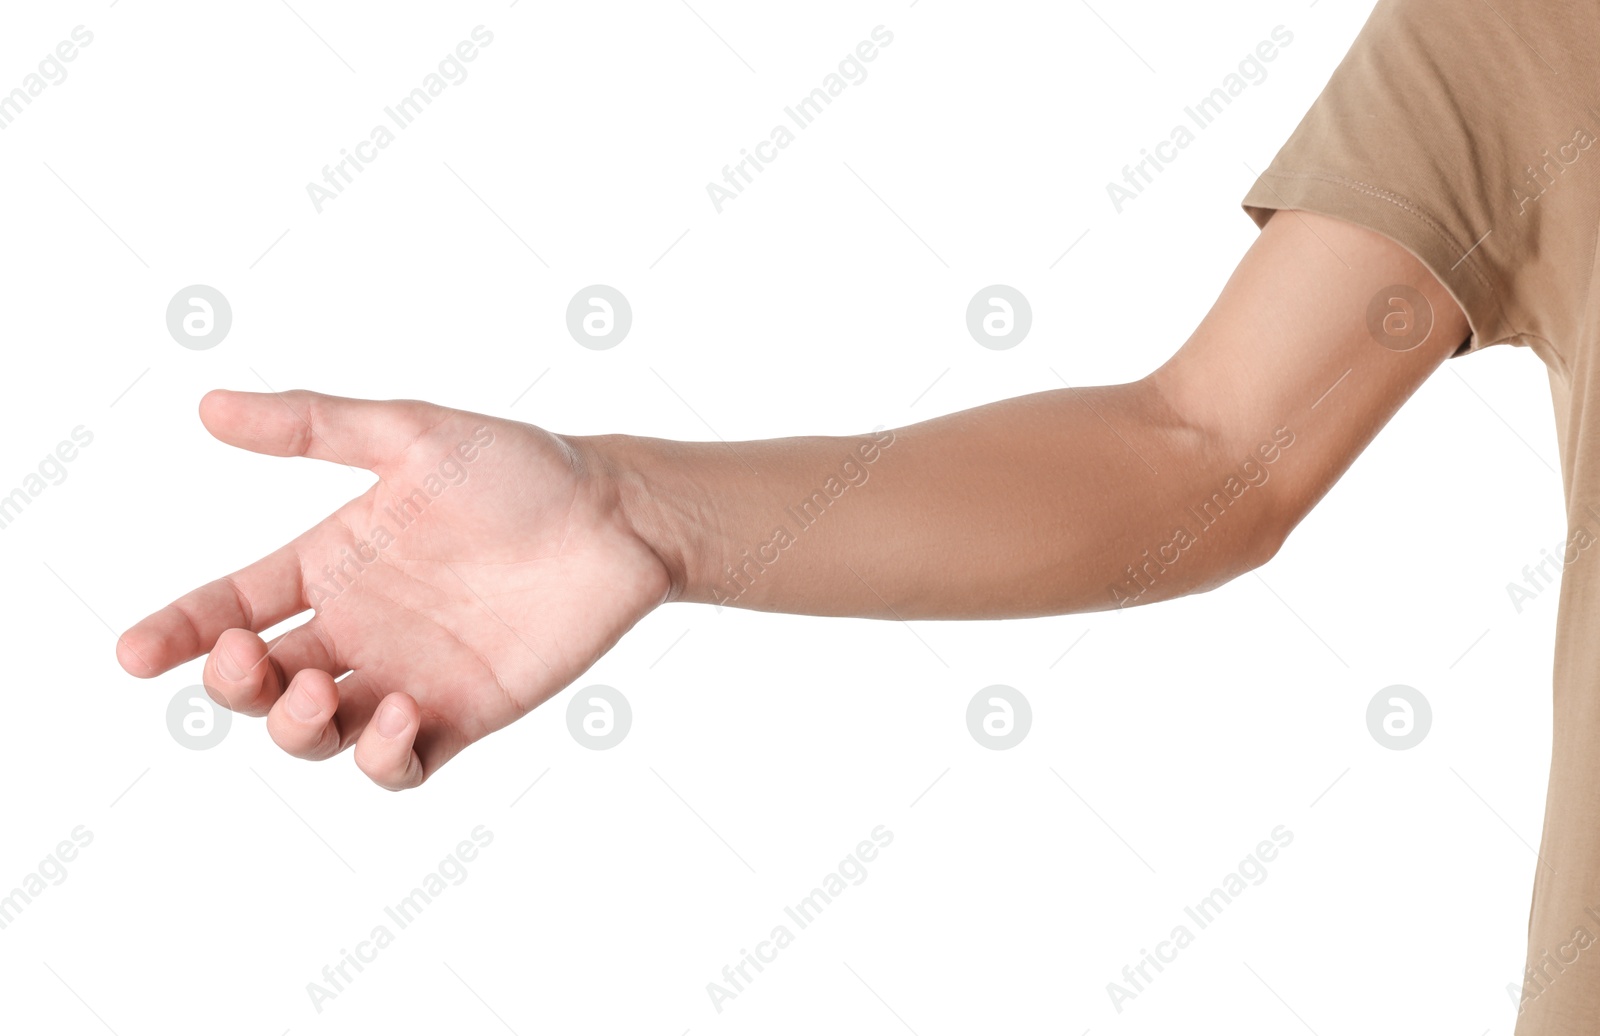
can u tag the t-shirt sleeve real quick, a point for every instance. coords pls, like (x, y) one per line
(1447, 129)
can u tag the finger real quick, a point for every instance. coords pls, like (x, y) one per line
(257, 597)
(248, 675)
(363, 433)
(385, 750)
(303, 721)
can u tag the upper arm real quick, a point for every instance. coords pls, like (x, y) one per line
(1323, 330)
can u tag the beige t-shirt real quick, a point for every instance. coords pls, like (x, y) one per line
(1466, 132)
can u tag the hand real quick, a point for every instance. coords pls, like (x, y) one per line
(489, 567)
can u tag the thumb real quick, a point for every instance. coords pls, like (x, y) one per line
(363, 433)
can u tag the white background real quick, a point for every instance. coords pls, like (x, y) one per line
(1166, 743)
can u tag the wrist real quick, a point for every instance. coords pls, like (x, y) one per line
(656, 497)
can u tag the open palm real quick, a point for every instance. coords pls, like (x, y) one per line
(486, 569)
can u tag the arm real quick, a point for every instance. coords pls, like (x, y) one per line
(493, 562)
(1070, 500)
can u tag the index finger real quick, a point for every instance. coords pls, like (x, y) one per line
(256, 598)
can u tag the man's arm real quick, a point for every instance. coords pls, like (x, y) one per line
(1075, 499)
(493, 562)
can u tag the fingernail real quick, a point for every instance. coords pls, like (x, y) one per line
(301, 705)
(391, 720)
(228, 667)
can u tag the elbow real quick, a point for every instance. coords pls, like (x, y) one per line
(1263, 547)
(1261, 543)
(1248, 546)
(1202, 563)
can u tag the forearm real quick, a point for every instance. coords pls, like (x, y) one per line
(1056, 502)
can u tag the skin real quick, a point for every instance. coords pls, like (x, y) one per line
(504, 588)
